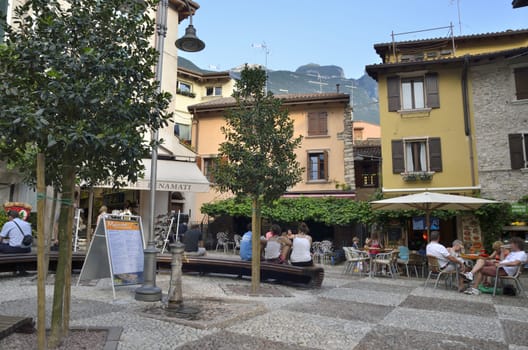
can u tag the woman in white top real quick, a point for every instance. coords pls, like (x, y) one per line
(302, 242)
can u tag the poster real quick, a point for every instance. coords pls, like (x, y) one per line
(125, 245)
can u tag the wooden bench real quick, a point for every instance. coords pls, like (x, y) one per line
(311, 276)
(11, 324)
(28, 261)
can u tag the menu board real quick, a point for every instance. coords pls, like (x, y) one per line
(125, 247)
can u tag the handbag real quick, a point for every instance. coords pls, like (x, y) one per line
(27, 240)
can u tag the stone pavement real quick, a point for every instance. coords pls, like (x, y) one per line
(347, 313)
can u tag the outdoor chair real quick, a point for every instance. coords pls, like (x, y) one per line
(384, 260)
(326, 251)
(223, 241)
(355, 261)
(317, 252)
(236, 239)
(411, 262)
(435, 272)
(514, 278)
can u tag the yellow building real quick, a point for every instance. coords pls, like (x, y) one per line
(319, 118)
(426, 113)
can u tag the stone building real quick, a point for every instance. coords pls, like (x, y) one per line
(500, 109)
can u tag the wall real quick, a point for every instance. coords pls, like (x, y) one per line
(497, 114)
(369, 130)
(446, 122)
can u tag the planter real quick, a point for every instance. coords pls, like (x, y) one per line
(415, 176)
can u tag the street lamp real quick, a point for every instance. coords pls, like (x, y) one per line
(190, 43)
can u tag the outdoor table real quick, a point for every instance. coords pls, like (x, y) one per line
(371, 258)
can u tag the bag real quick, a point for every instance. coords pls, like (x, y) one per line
(27, 241)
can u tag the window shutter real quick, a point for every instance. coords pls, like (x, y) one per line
(435, 154)
(326, 165)
(198, 160)
(431, 90)
(516, 151)
(393, 92)
(313, 123)
(308, 167)
(323, 122)
(521, 83)
(3, 13)
(398, 164)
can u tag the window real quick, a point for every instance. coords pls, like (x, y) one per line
(3, 12)
(183, 131)
(358, 133)
(317, 124)
(317, 166)
(416, 155)
(209, 164)
(213, 91)
(413, 93)
(184, 87)
(521, 83)
(518, 150)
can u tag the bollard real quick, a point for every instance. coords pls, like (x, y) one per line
(175, 297)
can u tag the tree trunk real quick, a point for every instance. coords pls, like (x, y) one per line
(41, 258)
(59, 321)
(255, 244)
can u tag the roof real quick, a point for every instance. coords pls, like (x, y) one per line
(220, 104)
(519, 3)
(190, 70)
(368, 148)
(374, 69)
(381, 48)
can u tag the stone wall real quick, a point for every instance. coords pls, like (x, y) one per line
(497, 114)
(348, 156)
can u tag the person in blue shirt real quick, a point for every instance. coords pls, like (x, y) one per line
(15, 229)
(245, 245)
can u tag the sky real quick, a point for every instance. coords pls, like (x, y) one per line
(338, 32)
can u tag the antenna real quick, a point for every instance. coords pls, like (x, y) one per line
(320, 83)
(264, 47)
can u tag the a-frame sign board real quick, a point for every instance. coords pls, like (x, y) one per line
(116, 252)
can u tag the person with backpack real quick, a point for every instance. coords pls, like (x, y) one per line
(18, 231)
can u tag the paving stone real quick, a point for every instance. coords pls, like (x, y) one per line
(446, 322)
(365, 296)
(380, 287)
(458, 306)
(515, 332)
(507, 312)
(304, 330)
(233, 341)
(369, 313)
(392, 338)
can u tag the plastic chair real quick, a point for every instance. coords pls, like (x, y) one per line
(434, 271)
(223, 241)
(236, 239)
(326, 251)
(385, 259)
(514, 278)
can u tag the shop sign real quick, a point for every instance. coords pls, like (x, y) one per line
(518, 208)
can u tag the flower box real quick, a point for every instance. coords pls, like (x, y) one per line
(414, 176)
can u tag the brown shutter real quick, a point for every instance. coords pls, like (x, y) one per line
(398, 164)
(431, 90)
(323, 123)
(326, 167)
(313, 124)
(199, 162)
(393, 92)
(521, 82)
(308, 168)
(435, 154)
(516, 151)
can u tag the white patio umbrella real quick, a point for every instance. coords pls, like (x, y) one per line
(429, 201)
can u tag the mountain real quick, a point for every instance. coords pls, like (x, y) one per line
(313, 78)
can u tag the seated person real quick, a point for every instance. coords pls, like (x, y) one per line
(15, 229)
(508, 266)
(456, 249)
(403, 252)
(446, 261)
(302, 243)
(496, 254)
(245, 245)
(374, 245)
(193, 241)
(272, 246)
(355, 243)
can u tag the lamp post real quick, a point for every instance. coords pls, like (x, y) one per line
(190, 43)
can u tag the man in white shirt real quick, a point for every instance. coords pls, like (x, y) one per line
(15, 229)
(507, 266)
(446, 261)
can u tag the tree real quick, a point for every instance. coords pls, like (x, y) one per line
(257, 158)
(77, 85)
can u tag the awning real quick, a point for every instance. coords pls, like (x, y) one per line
(173, 176)
(349, 195)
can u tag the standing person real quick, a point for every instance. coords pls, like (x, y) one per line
(302, 242)
(15, 229)
(193, 241)
(245, 245)
(102, 212)
(508, 266)
(446, 261)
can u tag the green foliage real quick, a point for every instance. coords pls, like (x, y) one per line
(257, 158)
(492, 218)
(3, 218)
(77, 84)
